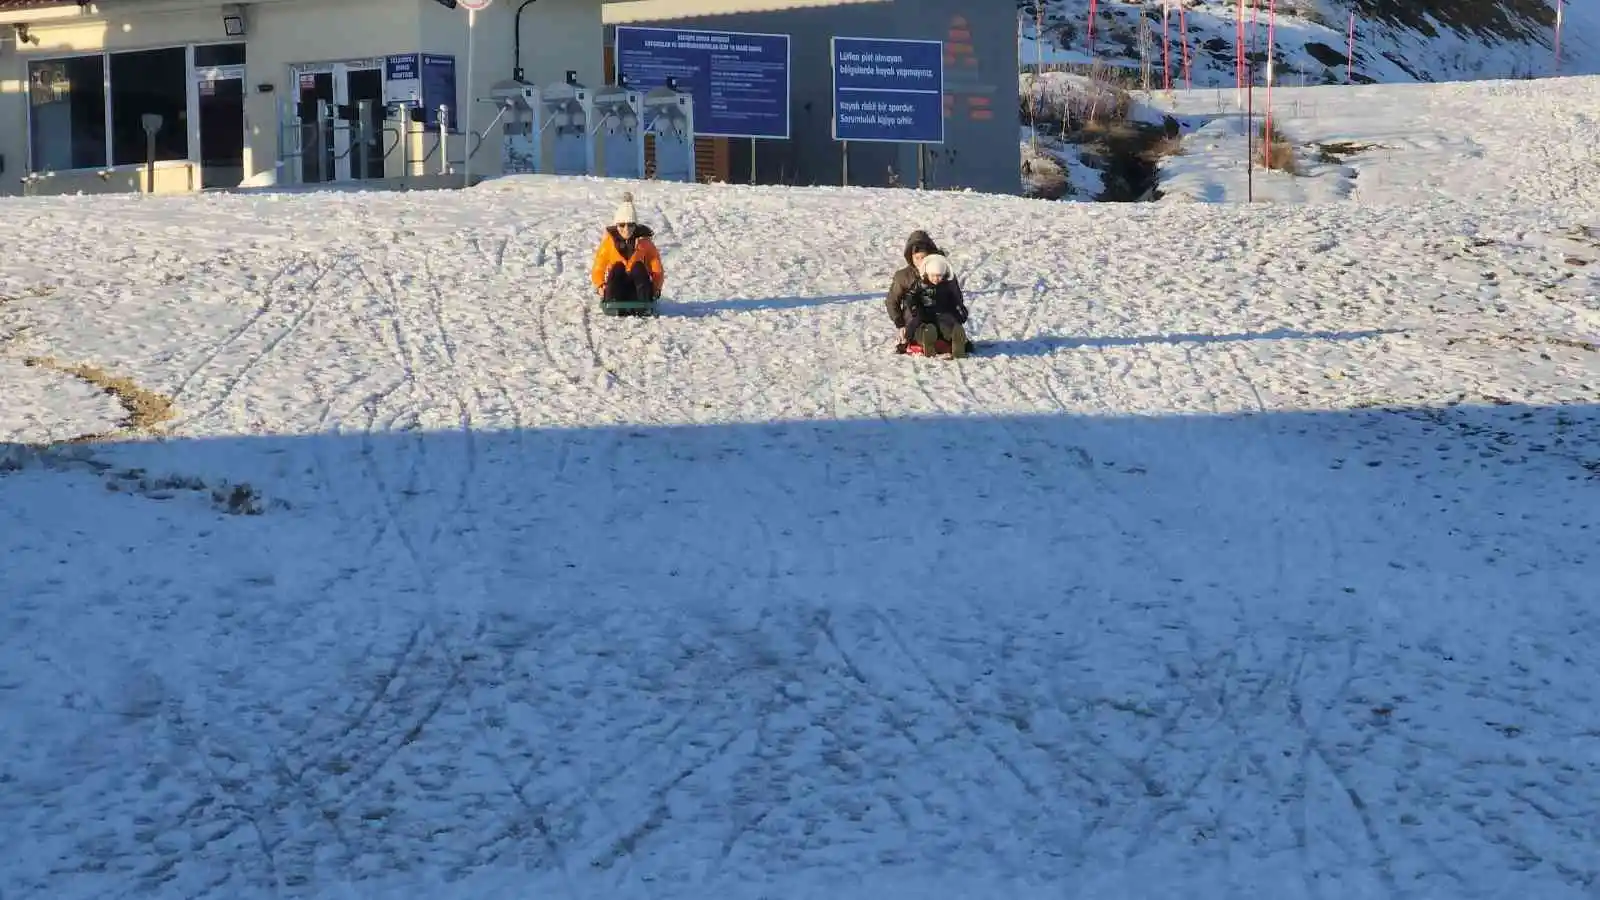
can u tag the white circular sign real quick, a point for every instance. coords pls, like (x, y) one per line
(473, 5)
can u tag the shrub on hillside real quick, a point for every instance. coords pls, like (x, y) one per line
(1043, 175)
(1060, 103)
(1279, 151)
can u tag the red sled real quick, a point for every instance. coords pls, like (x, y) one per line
(940, 346)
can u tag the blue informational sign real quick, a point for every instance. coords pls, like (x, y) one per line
(888, 90)
(739, 81)
(439, 89)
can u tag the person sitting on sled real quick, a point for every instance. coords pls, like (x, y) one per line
(918, 246)
(627, 265)
(934, 308)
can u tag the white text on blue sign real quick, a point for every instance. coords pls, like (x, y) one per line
(874, 112)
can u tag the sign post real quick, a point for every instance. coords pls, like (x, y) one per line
(738, 82)
(472, 7)
(151, 122)
(887, 91)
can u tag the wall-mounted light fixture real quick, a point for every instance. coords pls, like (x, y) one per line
(24, 36)
(233, 24)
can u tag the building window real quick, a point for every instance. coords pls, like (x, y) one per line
(86, 112)
(212, 56)
(67, 113)
(149, 81)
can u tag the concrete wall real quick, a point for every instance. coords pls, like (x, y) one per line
(556, 35)
(981, 153)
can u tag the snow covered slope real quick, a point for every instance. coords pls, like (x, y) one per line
(1396, 40)
(1254, 558)
(1523, 141)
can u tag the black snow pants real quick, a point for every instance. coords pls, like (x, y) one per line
(629, 284)
(946, 323)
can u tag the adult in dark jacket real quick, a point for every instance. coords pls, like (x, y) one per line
(918, 246)
(934, 308)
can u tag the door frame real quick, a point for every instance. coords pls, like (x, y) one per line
(192, 104)
(340, 70)
(213, 75)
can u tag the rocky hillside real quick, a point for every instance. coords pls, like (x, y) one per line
(1396, 40)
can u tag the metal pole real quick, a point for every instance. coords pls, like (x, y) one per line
(444, 139)
(752, 160)
(922, 173)
(466, 134)
(405, 140)
(845, 154)
(322, 142)
(363, 134)
(1250, 133)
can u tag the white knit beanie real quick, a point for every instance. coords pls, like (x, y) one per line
(936, 264)
(625, 212)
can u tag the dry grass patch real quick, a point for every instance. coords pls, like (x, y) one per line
(145, 409)
(1279, 152)
(1335, 152)
(1043, 175)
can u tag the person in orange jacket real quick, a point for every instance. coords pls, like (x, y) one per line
(627, 265)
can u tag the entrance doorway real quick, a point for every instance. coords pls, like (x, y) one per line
(367, 85)
(219, 95)
(337, 146)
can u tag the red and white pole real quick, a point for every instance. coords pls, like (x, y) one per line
(1560, 5)
(1350, 51)
(1093, 9)
(1166, 48)
(1238, 52)
(1183, 29)
(1272, 36)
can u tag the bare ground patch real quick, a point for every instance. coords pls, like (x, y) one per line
(1335, 152)
(233, 498)
(145, 409)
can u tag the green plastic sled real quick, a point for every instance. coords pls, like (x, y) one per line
(628, 307)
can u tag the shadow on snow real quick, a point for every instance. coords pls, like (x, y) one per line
(1044, 345)
(691, 308)
(470, 651)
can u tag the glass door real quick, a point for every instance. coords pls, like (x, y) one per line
(366, 85)
(220, 111)
(348, 151)
(317, 154)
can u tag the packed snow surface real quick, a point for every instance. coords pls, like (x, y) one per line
(1253, 556)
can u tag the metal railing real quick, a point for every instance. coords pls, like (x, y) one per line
(334, 134)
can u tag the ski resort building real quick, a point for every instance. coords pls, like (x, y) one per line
(77, 78)
(227, 89)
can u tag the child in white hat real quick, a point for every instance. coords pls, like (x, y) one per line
(935, 308)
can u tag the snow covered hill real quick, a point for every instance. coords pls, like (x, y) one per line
(1528, 141)
(344, 552)
(1395, 40)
